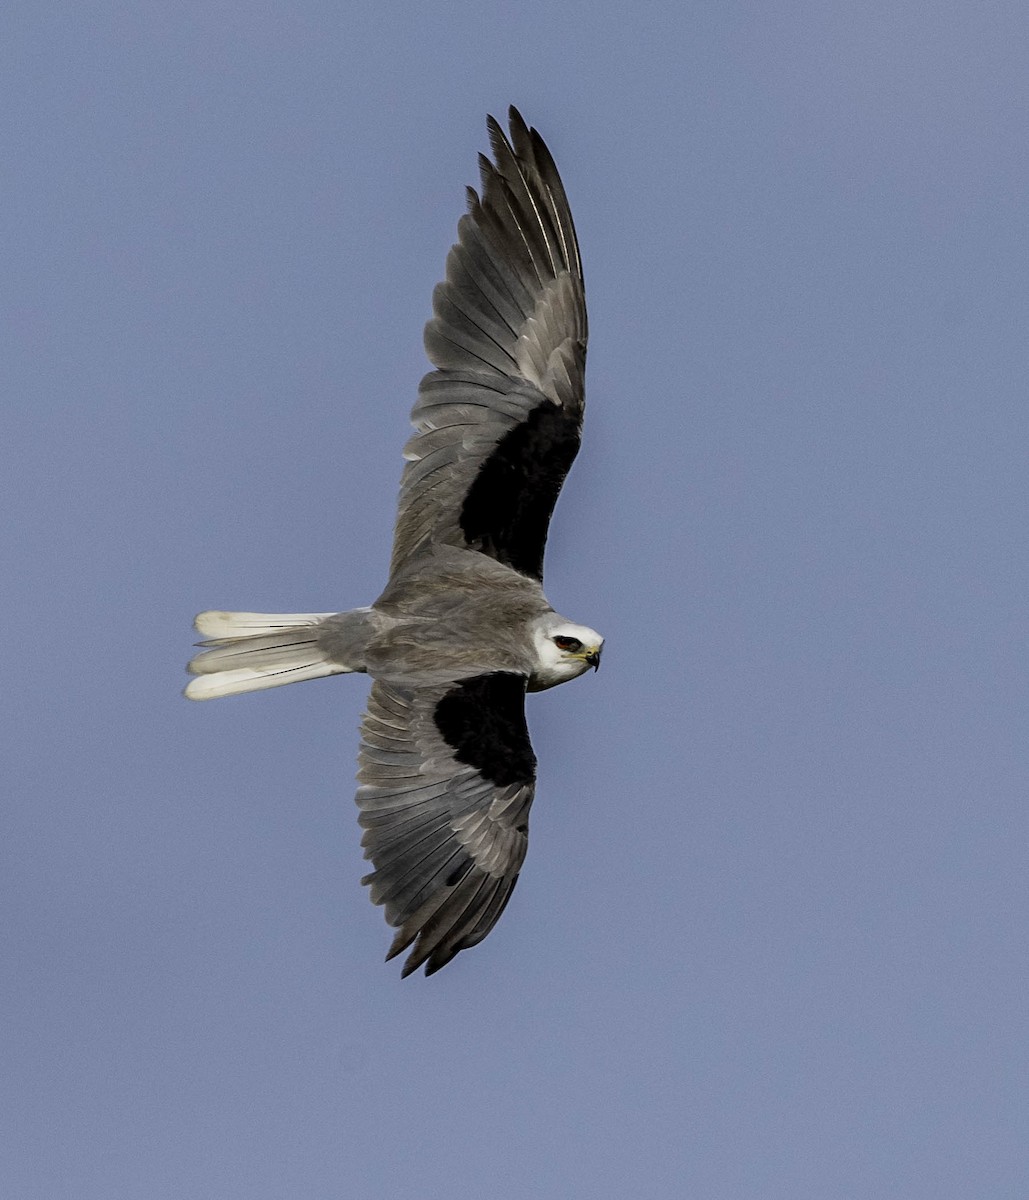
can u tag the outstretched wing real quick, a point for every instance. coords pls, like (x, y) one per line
(498, 423)
(446, 780)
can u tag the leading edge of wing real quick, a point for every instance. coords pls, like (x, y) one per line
(498, 423)
(447, 777)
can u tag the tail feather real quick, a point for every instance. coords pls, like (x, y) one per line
(216, 624)
(252, 651)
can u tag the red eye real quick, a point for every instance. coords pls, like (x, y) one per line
(573, 645)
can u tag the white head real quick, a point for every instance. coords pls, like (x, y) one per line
(563, 651)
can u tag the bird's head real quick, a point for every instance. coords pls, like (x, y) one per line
(564, 650)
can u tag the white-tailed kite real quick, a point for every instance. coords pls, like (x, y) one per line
(463, 630)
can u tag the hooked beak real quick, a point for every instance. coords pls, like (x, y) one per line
(593, 659)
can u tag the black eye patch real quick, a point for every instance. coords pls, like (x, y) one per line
(568, 643)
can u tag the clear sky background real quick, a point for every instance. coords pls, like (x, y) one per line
(770, 940)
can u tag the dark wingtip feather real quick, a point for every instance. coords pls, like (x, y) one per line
(516, 122)
(523, 139)
(497, 138)
(401, 940)
(486, 172)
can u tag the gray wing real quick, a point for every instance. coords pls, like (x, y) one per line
(446, 780)
(498, 424)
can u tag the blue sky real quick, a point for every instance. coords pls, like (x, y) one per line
(770, 937)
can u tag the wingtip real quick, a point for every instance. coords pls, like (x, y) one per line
(517, 124)
(498, 141)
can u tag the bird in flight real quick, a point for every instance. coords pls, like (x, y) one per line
(463, 629)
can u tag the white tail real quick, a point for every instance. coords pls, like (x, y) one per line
(246, 652)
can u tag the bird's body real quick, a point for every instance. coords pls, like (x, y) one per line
(462, 630)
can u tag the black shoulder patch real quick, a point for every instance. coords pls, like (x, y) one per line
(508, 507)
(482, 720)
